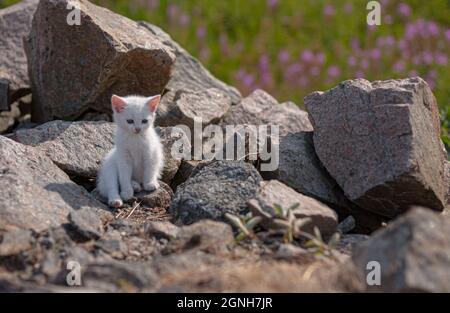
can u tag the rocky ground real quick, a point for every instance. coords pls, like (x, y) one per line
(362, 175)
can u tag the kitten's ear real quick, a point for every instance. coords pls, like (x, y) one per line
(153, 103)
(118, 104)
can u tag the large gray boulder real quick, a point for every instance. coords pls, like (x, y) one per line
(15, 23)
(105, 54)
(76, 147)
(188, 72)
(218, 188)
(412, 253)
(381, 143)
(261, 108)
(79, 147)
(35, 193)
(300, 168)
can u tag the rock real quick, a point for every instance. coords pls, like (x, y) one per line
(188, 72)
(163, 229)
(289, 251)
(412, 253)
(4, 95)
(381, 142)
(117, 276)
(15, 242)
(8, 118)
(261, 108)
(206, 236)
(447, 184)
(86, 223)
(182, 107)
(348, 242)
(61, 141)
(187, 169)
(15, 23)
(35, 193)
(220, 187)
(300, 168)
(160, 198)
(113, 56)
(274, 192)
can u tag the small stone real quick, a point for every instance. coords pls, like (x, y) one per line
(15, 241)
(159, 229)
(271, 193)
(86, 223)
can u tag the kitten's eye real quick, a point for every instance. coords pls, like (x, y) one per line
(144, 121)
(130, 121)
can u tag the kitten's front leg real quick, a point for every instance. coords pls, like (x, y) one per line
(125, 172)
(151, 173)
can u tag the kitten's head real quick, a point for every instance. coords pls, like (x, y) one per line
(133, 113)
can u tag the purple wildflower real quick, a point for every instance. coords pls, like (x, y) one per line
(307, 56)
(283, 56)
(272, 3)
(201, 32)
(404, 9)
(334, 71)
(329, 10)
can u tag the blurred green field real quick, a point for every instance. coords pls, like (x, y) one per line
(293, 47)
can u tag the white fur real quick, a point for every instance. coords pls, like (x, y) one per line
(137, 159)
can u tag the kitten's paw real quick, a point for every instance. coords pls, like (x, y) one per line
(151, 186)
(115, 203)
(127, 194)
(136, 186)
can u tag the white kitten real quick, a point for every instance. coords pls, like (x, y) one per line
(137, 159)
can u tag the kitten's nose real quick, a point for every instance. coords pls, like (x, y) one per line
(137, 130)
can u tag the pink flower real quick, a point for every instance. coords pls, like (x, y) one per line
(375, 54)
(388, 19)
(334, 71)
(283, 56)
(351, 60)
(184, 19)
(329, 10)
(320, 57)
(201, 32)
(399, 66)
(433, 28)
(359, 74)
(348, 8)
(447, 34)
(404, 9)
(307, 56)
(364, 64)
(441, 59)
(427, 57)
(315, 71)
(272, 3)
